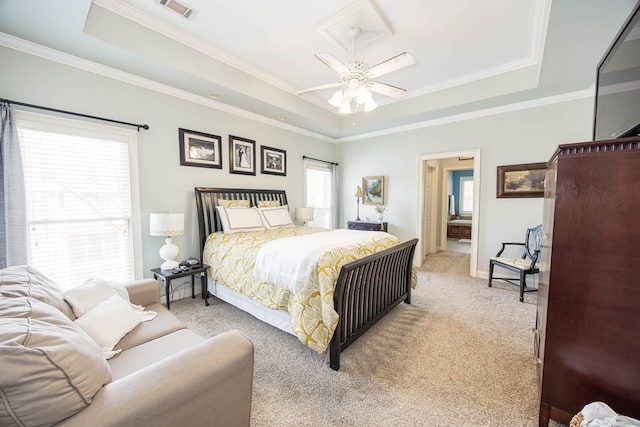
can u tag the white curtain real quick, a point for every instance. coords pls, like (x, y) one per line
(13, 206)
(334, 195)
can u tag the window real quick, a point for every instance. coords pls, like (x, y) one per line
(81, 215)
(466, 194)
(318, 188)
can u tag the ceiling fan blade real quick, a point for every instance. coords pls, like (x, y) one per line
(332, 62)
(385, 89)
(392, 64)
(313, 89)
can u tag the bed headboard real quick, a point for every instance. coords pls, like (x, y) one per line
(207, 200)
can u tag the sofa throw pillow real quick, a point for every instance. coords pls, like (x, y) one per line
(50, 370)
(233, 203)
(24, 280)
(276, 217)
(235, 220)
(109, 321)
(88, 295)
(92, 292)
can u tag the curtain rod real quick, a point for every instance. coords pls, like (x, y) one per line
(318, 160)
(145, 127)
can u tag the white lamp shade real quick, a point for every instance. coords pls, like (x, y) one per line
(304, 214)
(166, 224)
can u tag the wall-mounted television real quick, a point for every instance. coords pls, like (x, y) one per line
(617, 106)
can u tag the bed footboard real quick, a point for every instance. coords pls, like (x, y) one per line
(366, 290)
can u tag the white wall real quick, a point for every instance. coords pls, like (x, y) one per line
(525, 136)
(164, 184)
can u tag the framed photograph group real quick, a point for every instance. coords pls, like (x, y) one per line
(242, 155)
(200, 149)
(274, 161)
(205, 150)
(525, 180)
(373, 189)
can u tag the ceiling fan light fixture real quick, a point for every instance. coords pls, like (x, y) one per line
(363, 95)
(336, 99)
(370, 105)
(346, 106)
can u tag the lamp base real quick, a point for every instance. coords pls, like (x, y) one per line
(169, 253)
(169, 265)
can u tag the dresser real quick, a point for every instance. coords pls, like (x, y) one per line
(367, 225)
(587, 337)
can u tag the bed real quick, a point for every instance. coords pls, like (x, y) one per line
(353, 285)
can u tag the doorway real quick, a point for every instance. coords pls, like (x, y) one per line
(434, 206)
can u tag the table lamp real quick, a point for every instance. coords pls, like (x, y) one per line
(304, 215)
(167, 224)
(358, 195)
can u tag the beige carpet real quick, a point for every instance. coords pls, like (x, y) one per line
(459, 355)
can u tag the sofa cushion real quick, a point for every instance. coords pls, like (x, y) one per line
(50, 368)
(163, 324)
(143, 355)
(23, 281)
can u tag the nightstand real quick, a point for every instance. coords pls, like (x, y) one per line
(166, 276)
(367, 225)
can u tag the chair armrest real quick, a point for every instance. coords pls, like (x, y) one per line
(204, 385)
(144, 292)
(505, 244)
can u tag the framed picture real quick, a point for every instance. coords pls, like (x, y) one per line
(200, 149)
(526, 180)
(274, 161)
(373, 190)
(242, 155)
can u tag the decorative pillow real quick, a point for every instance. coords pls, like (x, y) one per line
(276, 217)
(239, 219)
(24, 280)
(108, 322)
(91, 293)
(268, 203)
(51, 369)
(233, 203)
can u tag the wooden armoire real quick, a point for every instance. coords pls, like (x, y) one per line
(588, 319)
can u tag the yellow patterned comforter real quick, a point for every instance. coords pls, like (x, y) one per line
(232, 258)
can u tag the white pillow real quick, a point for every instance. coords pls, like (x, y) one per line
(276, 217)
(91, 293)
(108, 322)
(239, 219)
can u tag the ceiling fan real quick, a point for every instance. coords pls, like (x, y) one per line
(356, 81)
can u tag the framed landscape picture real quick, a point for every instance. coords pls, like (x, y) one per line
(373, 190)
(242, 155)
(274, 161)
(526, 180)
(200, 149)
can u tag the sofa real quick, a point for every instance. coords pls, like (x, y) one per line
(54, 372)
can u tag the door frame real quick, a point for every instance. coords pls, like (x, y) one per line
(422, 171)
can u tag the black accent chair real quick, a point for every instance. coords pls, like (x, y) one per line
(524, 266)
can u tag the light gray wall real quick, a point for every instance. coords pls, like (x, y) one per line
(525, 136)
(164, 184)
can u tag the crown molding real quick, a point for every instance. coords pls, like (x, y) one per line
(112, 73)
(508, 108)
(125, 10)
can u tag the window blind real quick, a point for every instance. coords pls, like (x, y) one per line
(318, 193)
(79, 206)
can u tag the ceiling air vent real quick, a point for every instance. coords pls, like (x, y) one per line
(178, 7)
